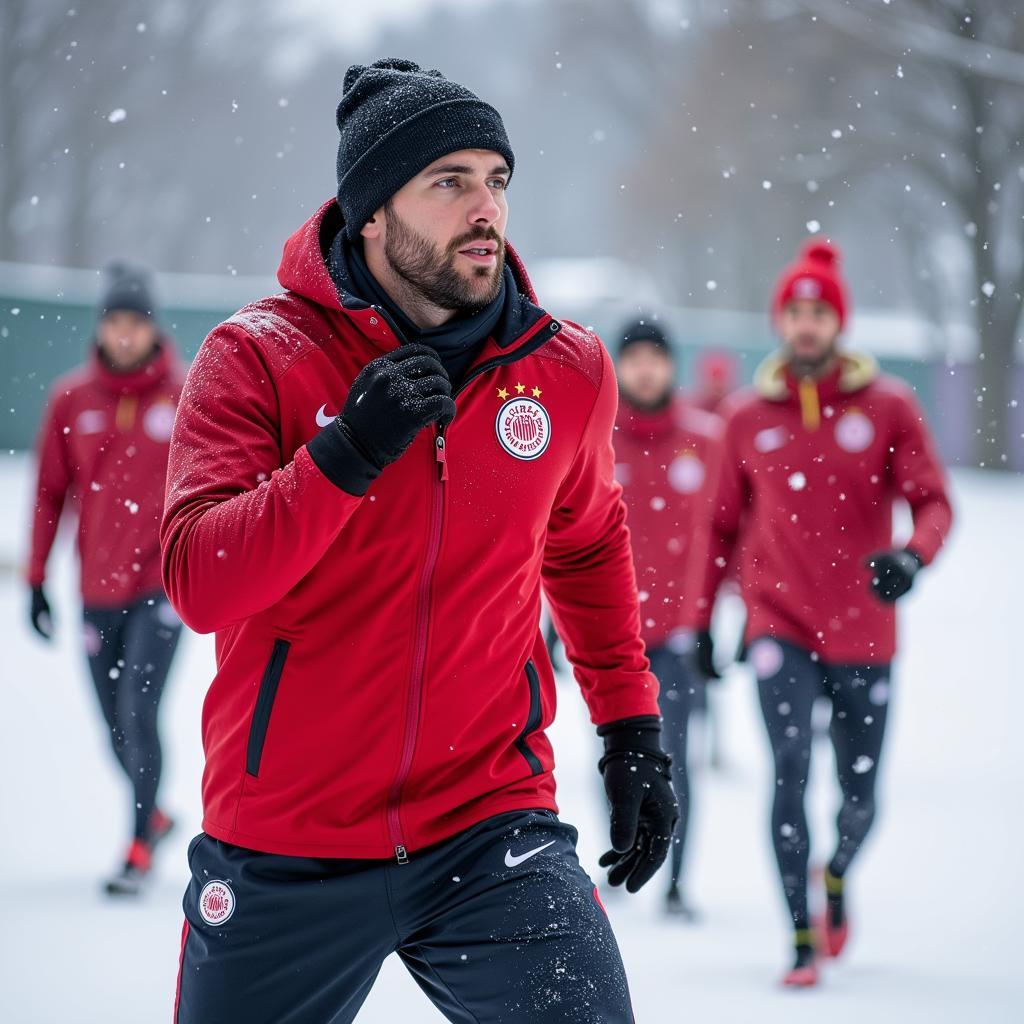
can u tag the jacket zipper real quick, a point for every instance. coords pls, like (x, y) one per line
(542, 331)
(124, 417)
(810, 407)
(419, 658)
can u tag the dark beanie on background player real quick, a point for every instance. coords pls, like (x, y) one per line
(644, 330)
(814, 275)
(128, 288)
(395, 119)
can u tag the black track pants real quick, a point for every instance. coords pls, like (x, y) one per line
(130, 652)
(499, 924)
(789, 681)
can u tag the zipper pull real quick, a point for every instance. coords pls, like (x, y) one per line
(401, 855)
(440, 456)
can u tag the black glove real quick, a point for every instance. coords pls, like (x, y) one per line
(42, 620)
(892, 573)
(704, 649)
(637, 781)
(391, 400)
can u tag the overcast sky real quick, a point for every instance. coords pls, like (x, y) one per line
(355, 21)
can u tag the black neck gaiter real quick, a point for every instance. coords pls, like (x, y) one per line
(456, 342)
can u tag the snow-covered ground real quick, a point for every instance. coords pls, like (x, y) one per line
(937, 897)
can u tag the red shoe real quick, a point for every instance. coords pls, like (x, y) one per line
(128, 881)
(831, 938)
(802, 976)
(159, 826)
(140, 856)
(804, 972)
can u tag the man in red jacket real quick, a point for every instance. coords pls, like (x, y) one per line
(372, 474)
(813, 458)
(103, 442)
(663, 446)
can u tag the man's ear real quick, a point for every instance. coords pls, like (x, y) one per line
(374, 227)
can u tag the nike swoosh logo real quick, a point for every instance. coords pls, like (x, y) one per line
(511, 862)
(322, 419)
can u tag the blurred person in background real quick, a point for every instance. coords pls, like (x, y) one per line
(716, 379)
(716, 376)
(663, 447)
(372, 476)
(103, 444)
(812, 460)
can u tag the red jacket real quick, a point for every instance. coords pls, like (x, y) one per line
(809, 474)
(103, 441)
(661, 460)
(381, 680)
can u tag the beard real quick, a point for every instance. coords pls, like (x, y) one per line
(431, 271)
(813, 366)
(647, 404)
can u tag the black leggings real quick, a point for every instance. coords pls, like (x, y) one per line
(789, 681)
(130, 652)
(680, 694)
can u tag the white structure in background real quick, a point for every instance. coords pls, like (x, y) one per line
(605, 292)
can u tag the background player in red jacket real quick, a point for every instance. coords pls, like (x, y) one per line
(662, 450)
(372, 476)
(813, 458)
(103, 443)
(715, 375)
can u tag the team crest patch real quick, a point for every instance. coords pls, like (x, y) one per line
(93, 642)
(159, 421)
(216, 902)
(770, 439)
(91, 421)
(686, 473)
(523, 427)
(854, 431)
(766, 656)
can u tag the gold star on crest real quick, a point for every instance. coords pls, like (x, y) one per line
(502, 393)
(535, 392)
(520, 388)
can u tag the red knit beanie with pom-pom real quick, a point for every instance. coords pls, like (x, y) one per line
(815, 275)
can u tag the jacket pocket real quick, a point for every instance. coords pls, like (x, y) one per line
(532, 721)
(264, 706)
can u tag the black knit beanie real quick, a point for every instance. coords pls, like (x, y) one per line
(644, 330)
(396, 119)
(127, 287)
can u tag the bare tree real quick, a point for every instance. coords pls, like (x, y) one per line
(29, 34)
(118, 123)
(961, 132)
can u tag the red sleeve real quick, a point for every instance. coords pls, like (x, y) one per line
(241, 527)
(715, 538)
(589, 578)
(54, 480)
(919, 478)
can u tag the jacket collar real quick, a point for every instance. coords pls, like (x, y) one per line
(144, 378)
(774, 381)
(646, 423)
